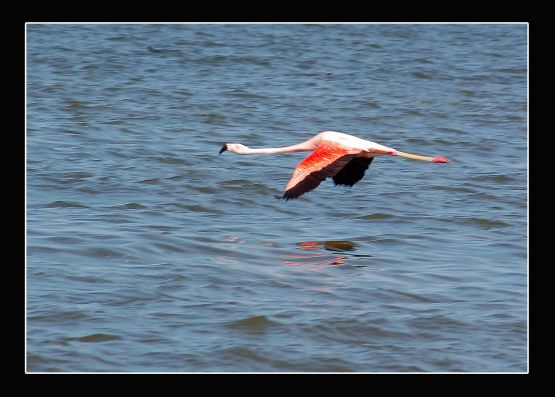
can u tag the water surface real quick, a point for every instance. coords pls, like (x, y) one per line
(147, 251)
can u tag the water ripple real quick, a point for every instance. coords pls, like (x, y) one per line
(94, 338)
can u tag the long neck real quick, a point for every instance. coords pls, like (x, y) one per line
(285, 149)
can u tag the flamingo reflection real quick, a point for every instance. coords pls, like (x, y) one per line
(318, 259)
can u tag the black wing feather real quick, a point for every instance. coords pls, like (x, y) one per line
(353, 171)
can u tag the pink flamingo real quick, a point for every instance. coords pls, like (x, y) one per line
(343, 157)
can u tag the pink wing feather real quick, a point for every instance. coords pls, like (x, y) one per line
(325, 161)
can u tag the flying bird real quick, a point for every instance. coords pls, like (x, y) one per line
(343, 157)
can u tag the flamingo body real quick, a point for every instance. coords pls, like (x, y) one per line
(327, 160)
(343, 157)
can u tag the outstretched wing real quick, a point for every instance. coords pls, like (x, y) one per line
(325, 161)
(353, 171)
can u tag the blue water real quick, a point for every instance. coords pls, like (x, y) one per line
(147, 251)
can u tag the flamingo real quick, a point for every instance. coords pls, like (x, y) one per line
(343, 157)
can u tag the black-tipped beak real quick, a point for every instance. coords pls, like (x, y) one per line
(224, 148)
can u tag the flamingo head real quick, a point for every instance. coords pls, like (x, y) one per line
(236, 148)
